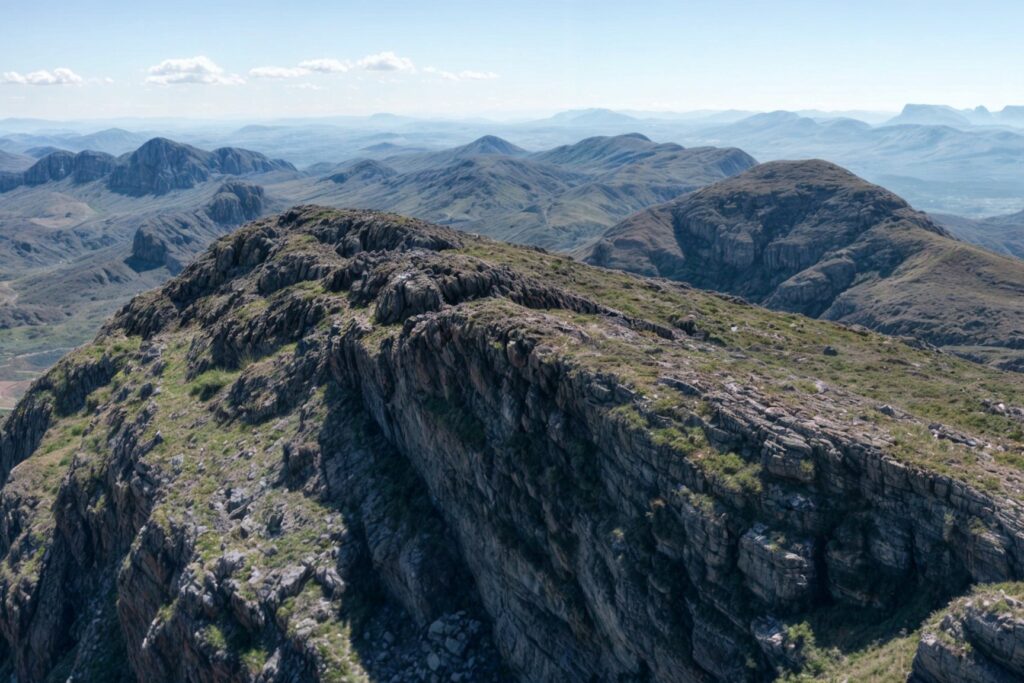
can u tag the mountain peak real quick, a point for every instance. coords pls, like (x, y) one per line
(492, 144)
(161, 165)
(812, 237)
(930, 115)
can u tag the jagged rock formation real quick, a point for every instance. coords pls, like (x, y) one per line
(157, 167)
(162, 165)
(236, 202)
(979, 638)
(813, 238)
(83, 167)
(171, 241)
(351, 446)
(72, 251)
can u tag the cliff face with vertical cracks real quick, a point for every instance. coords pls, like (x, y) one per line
(354, 446)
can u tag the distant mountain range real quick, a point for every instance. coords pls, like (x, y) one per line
(156, 167)
(936, 167)
(14, 162)
(111, 141)
(942, 115)
(942, 159)
(81, 232)
(812, 238)
(557, 198)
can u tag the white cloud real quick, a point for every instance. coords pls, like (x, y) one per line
(60, 76)
(304, 86)
(191, 70)
(466, 75)
(278, 72)
(470, 75)
(386, 61)
(326, 65)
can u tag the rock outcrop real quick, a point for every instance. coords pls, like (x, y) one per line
(236, 202)
(347, 445)
(171, 241)
(157, 167)
(82, 167)
(162, 165)
(979, 639)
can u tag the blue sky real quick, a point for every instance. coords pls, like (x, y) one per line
(502, 58)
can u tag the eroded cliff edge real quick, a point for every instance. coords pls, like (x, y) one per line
(353, 446)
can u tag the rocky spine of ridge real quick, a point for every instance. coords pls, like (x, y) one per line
(333, 405)
(157, 167)
(236, 202)
(83, 167)
(162, 165)
(977, 638)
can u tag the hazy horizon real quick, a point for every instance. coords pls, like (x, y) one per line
(256, 61)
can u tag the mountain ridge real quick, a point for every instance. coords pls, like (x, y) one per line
(157, 167)
(813, 238)
(353, 444)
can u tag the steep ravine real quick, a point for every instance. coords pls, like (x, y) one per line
(352, 446)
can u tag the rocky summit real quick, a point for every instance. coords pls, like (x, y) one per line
(347, 446)
(811, 237)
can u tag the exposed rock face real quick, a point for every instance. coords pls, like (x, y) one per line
(812, 238)
(781, 232)
(92, 166)
(162, 165)
(84, 167)
(171, 241)
(978, 639)
(235, 203)
(157, 167)
(347, 444)
(56, 166)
